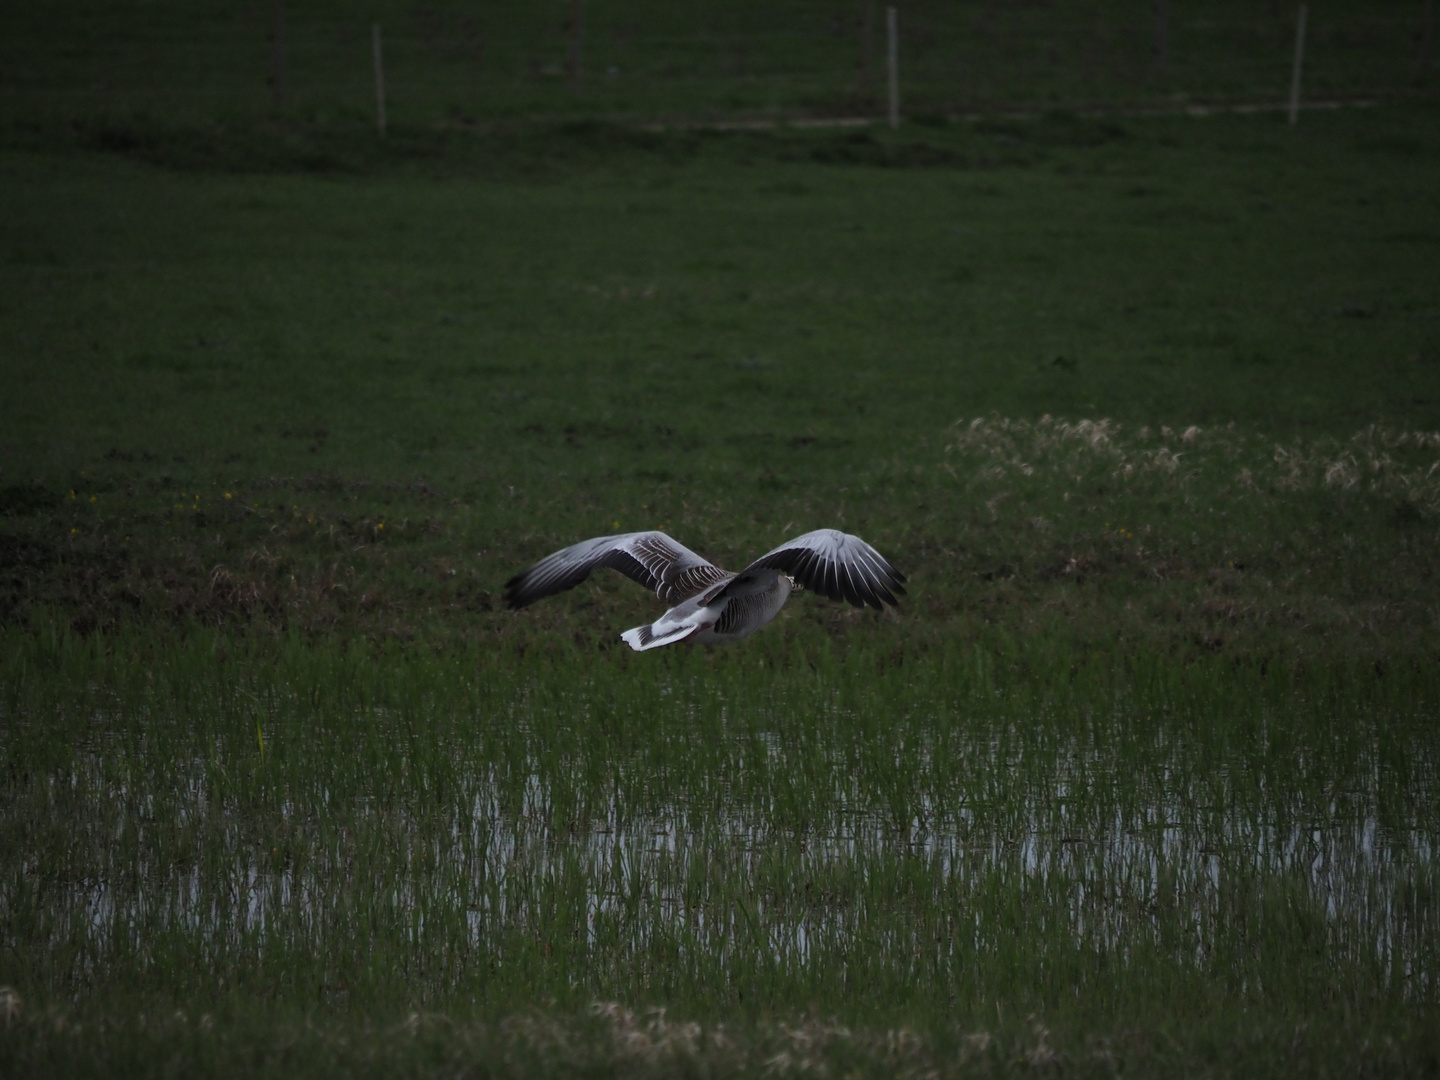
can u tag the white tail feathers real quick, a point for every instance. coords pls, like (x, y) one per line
(644, 637)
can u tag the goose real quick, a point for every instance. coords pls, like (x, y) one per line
(709, 605)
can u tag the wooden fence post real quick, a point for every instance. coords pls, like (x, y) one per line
(1299, 64)
(893, 32)
(379, 78)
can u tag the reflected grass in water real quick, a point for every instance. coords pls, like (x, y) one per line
(738, 834)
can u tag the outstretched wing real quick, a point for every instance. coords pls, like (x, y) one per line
(650, 558)
(838, 565)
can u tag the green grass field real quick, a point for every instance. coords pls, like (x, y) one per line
(1141, 776)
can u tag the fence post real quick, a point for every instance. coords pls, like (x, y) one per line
(277, 54)
(893, 53)
(1299, 63)
(379, 78)
(1162, 36)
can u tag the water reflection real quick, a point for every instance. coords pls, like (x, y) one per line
(484, 857)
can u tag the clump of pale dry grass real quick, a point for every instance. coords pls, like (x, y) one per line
(651, 1038)
(650, 1043)
(1382, 461)
(1210, 537)
(11, 1006)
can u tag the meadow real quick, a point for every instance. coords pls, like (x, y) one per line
(1141, 776)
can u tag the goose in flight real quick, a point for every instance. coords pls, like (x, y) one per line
(709, 605)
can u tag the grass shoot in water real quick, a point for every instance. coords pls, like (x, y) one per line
(718, 835)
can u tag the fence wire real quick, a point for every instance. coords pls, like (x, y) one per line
(464, 61)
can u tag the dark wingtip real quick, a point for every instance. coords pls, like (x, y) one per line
(886, 592)
(514, 599)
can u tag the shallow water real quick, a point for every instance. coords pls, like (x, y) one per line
(952, 847)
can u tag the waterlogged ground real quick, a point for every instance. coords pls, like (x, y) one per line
(726, 834)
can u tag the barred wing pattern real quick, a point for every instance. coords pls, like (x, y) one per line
(838, 565)
(652, 559)
(742, 611)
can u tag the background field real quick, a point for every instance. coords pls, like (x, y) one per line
(359, 400)
(1140, 777)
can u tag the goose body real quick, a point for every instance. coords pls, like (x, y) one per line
(710, 605)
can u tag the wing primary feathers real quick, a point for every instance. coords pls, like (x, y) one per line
(652, 559)
(878, 579)
(838, 565)
(883, 573)
(803, 567)
(855, 596)
(864, 586)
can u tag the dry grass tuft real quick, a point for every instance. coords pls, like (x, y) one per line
(1377, 460)
(12, 1008)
